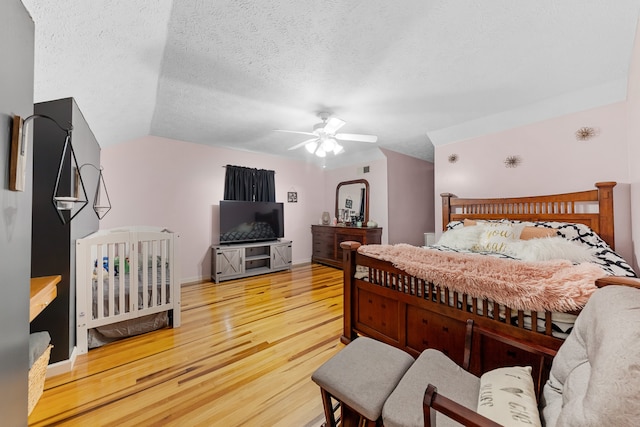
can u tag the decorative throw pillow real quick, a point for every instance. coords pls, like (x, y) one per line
(454, 224)
(464, 238)
(496, 237)
(507, 396)
(529, 233)
(548, 248)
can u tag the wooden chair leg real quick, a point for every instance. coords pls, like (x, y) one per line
(328, 408)
(349, 417)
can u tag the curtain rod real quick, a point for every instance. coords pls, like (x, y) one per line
(250, 168)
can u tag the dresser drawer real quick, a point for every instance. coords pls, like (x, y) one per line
(324, 239)
(343, 237)
(323, 249)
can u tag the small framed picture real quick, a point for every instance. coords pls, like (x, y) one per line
(348, 203)
(18, 161)
(292, 197)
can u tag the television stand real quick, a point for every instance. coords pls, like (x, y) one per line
(233, 261)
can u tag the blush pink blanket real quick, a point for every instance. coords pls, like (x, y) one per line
(556, 285)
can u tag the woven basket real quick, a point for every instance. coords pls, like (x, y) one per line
(37, 375)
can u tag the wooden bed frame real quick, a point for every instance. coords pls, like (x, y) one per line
(412, 314)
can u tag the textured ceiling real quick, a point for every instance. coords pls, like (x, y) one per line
(414, 73)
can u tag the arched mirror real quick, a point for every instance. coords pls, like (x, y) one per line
(352, 202)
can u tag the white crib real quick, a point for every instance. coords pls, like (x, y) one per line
(138, 263)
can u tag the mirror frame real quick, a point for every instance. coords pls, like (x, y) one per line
(366, 197)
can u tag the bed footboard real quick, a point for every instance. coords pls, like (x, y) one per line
(385, 303)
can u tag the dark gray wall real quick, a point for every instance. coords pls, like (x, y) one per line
(53, 243)
(16, 98)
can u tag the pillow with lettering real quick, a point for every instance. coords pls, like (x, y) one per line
(507, 396)
(496, 237)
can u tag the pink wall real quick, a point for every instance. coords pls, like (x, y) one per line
(411, 198)
(633, 111)
(553, 161)
(377, 178)
(162, 182)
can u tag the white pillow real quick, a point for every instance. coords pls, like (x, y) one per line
(507, 396)
(497, 237)
(548, 248)
(461, 238)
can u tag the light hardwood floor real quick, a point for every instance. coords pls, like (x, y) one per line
(243, 356)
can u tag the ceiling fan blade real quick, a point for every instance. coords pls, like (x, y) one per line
(303, 143)
(294, 131)
(356, 137)
(333, 125)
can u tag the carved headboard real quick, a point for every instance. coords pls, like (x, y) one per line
(593, 208)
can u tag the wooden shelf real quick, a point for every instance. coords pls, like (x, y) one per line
(43, 291)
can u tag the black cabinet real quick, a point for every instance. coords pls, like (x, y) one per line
(53, 243)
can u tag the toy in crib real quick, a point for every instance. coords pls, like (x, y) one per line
(105, 266)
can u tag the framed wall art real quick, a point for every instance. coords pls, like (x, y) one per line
(18, 159)
(348, 203)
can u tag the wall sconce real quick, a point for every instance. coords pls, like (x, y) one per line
(101, 204)
(60, 202)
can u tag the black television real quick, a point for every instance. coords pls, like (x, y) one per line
(242, 222)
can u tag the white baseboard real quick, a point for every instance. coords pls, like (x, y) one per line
(197, 280)
(63, 366)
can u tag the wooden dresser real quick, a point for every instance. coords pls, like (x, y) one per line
(327, 239)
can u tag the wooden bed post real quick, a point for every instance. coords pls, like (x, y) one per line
(446, 209)
(605, 210)
(349, 249)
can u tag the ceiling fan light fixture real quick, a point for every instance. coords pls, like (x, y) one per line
(325, 139)
(311, 147)
(328, 144)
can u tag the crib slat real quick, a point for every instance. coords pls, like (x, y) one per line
(99, 283)
(144, 265)
(122, 306)
(165, 262)
(154, 274)
(111, 282)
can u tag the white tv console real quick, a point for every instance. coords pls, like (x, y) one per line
(233, 261)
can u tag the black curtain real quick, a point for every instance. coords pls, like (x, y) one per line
(256, 185)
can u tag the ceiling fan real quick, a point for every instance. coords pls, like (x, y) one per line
(325, 139)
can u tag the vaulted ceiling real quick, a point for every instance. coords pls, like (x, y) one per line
(414, 72)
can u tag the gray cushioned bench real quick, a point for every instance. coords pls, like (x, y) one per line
(361, 376)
